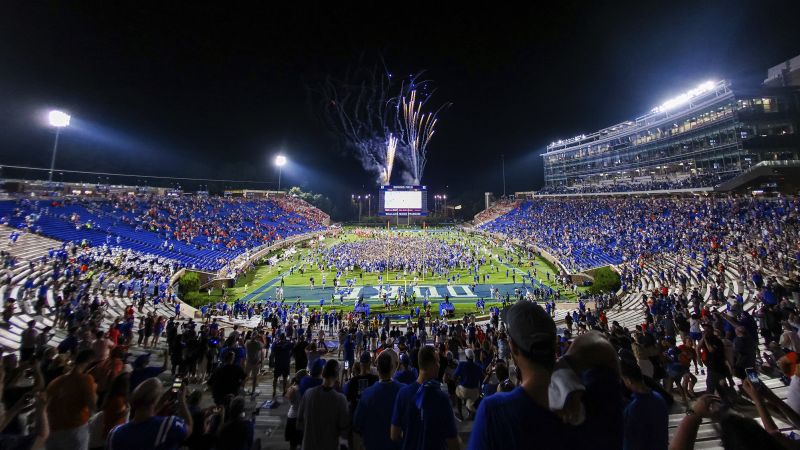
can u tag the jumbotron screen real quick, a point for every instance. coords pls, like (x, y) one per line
(403, 201)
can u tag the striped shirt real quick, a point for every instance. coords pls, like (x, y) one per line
(156, 433)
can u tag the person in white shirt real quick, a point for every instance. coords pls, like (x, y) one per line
(790, 339)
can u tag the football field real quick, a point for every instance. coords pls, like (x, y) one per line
(509, 271)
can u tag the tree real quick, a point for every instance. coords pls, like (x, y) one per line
(605, 280)
(320, 201)
(189, 282)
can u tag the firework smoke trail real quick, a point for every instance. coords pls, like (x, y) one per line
(391, 148)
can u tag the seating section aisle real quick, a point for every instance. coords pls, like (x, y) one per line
(199, 232)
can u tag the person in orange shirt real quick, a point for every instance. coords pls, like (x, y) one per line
(108, 369)
(71, 399)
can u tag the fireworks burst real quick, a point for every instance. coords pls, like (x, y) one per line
(419, 128)
(378, 119)
(391, 148)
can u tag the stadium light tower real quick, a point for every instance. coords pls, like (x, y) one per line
(59, 120)
(280, 161)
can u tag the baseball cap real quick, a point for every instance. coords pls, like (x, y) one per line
(529, 326)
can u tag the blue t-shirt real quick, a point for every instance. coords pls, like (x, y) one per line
(406, 376)
(425, 416)
(509, 420)
(603, 427)
(469, 374)
(373, 415)
(158, 433)
(349, 349)
(307, 383)
(646, 422)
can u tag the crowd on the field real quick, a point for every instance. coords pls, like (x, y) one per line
(405, 253)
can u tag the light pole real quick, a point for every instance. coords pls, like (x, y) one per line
(369, 205)
(59, 120)
(280, 161)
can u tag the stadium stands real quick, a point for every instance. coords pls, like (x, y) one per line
(641, 184)
(731, 261)
(499, 208)
(586, 233)
(199, 232)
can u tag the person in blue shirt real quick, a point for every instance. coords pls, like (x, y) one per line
(142, 371)
(147, 430)
(646, 415)
(405, 374)
(525, 416)
(315, 377)
(469, 376)
(373, 415)
(423, 416)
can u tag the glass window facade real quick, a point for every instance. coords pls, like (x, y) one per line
(706, 141)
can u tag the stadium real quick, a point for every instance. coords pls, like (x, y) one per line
(638, 290)
(698, 140)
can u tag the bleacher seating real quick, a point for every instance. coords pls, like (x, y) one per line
(199, 232)
(585, 233)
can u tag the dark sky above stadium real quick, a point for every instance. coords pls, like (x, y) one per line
(178, 89)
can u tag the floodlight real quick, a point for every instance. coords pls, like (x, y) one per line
(58, 118)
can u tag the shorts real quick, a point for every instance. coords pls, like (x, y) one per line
(281, 372)
(677, 371)
(470, 395)
(252, 369)
(695, 336)
(291, 434)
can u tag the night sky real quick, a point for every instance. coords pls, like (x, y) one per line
(217, 91)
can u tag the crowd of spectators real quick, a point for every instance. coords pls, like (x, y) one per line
(665, 184)
(584, 233)
(299, 206)
(201, 231)
(358, 381)
(500, 207)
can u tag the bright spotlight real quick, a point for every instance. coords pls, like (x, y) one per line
(280, 160)
(58, 119)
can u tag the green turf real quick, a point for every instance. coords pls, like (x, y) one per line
(262, 274)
